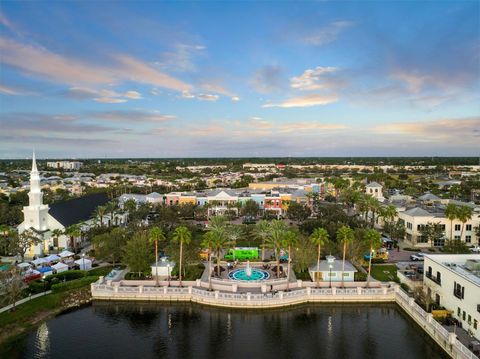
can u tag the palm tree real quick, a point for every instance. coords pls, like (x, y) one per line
(289, 240)
(464, 214)
(388, 214)
(275, 238)
(373, 206)
(345, 236)
(262, 231)
(155, 235)
(319, 237)
(74, 232)
(209, 242)
(451, 213)
(56, 233)
(374, 240)
(100, 212)
(181, 235)
(220, 236)
(111, 208)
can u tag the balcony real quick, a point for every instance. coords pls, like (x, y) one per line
(433, 278)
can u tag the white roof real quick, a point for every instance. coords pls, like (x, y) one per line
(60, 265)
(66, 254)
(83, 260)
(373, 184)
(52, 258)
(418, 212)
(23, 265)
(39, 261)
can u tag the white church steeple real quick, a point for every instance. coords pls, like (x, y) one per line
(35, 195)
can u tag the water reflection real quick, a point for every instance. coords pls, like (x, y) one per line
(151, 330)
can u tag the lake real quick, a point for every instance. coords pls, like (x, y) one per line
(108, 330)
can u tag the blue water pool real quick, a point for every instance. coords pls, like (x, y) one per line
(241, 274)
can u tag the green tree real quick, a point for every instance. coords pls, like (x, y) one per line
(181, 236)
(155, 235)
(262, 231)
(319, 238)
(74, 232)
(250, 209)
(464, 214)
(99, 213)
(110, 244)
(208, 241)
(298, 212)
(20, 243)
(388, 214)
(137, 253)
(275, 240)
(451, 213)
(374, 241)
(11, 285)
(289, 240)
(345, 236)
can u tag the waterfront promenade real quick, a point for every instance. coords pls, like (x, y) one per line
(194, 291)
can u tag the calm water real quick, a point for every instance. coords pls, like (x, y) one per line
(133, 330)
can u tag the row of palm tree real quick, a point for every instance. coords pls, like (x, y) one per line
(461, 213)
(345, 236)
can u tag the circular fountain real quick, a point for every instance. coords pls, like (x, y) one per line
(248, 274)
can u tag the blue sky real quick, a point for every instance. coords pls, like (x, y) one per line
(190, 79)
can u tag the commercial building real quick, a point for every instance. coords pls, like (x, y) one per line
(453, 281)
(66, 165)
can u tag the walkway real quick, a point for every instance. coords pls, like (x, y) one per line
(24, 300)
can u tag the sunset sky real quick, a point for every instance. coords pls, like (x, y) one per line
(218, 79)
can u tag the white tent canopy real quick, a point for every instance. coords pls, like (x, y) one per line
(65, 254)
(24, 265)
(84, 263)
(60, 267)
(39, 261)
(52, 258)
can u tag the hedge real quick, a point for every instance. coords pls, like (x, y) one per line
(78, 283)
(67, 275)
(38, 286)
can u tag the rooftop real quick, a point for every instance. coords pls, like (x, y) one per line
(465, 265)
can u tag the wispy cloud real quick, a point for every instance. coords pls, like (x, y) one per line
(207, 97)
(326, 34)
(47, 64)
(268, 79)
(305, 101)
(465, 130)
(101, 96)
(311, 79)
(136, 116)
(310, 126)
(182, 57)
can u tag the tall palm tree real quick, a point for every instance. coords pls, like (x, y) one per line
(374, 240)
(388, 214)
(262, 231)
(182, 236)
(289, 240)
(100, 212)
(56, 233)
(275, 238)
(373, 206)
(220, 236)
(74, 232)
(451, 213)
(155, 235)
(209, 243)
(345, 236)
(319, 238)
(464, 214)
(111, 208)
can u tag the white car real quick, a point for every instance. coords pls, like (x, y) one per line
(417, 257)
(475, 249)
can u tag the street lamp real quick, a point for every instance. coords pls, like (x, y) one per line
(168, 273)
(330, 276)
(83, 260)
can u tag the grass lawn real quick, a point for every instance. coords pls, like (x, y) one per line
(384, 273)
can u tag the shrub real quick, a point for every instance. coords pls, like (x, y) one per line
(68, 275)
(360, 277)
(100, 271)
(411, 249)
(431, 250)
(77, 283)
(377, 260)
(38, 286)
(405, 287)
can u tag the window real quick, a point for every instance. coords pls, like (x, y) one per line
(468, 239)
(464, 315)
(468, 227)
(475, 324)
(457, 227)
(439, 277)
(437, 299)
(459, 312)
(458, 291)
(457, 238)
(469, 319)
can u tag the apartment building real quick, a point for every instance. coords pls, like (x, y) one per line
(453, 281)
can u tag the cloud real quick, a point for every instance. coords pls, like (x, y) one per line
(268, 79)
(326, 34)
(310, 79)
(466, 129)
(133, 95)
(207, 97)
(136, 116)
(7, 90)
(44, 63)
(187, 94)
(235, 98)
(310, 126)
(181, 59)
(305, 101)
(109, 100)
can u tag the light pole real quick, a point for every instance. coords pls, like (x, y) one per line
(168, 273)
(83, 260)
(330, 276)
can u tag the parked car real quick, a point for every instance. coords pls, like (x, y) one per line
(417, 257)
(475, 249)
